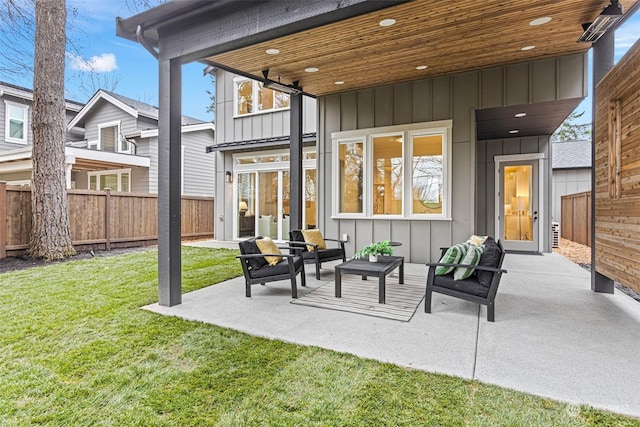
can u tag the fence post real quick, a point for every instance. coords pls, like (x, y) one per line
(3, 219)
(107, 219)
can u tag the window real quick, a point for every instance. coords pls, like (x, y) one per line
(114, 180)
(16, 122)
(109, 138)
(251, 97)
(351, 167)
(396, 171)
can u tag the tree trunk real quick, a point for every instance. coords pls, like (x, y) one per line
(50, 236)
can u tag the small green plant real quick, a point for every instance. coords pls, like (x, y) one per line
(380, 248)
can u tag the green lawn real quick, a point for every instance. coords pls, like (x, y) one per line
(76, 350)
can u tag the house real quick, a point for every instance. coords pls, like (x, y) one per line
(253, 149)
(111, 143)
(433, 120)
(571, 172)
(15, 132)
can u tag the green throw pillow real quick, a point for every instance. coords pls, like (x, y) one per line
(453, 255)
(472, 257)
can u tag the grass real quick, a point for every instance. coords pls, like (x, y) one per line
(76, 349)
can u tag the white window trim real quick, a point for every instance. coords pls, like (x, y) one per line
(118, 172)
(254, 92)
(119, 137)
(25, 130)
(408, 131)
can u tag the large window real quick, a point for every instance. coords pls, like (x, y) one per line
(114, 180)
(251, 97)
(396, 171)
(15, 122)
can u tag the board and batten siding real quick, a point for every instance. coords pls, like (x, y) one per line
(254, 126)
(617, 172)
(453, 97)
(198, 165)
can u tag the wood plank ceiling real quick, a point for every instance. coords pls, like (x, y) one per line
(444, 35)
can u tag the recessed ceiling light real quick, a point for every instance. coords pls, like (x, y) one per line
(339, 82)
(514, 131)
(272, 51)
(540, 21)
(421, 67)
(387, 22)
(311, 69)
(521, 114)
(528, 47)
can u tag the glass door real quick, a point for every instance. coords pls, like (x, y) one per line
(519, 205)
(246, 202)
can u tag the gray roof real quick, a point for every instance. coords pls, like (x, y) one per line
(571, 154)
(149, 110)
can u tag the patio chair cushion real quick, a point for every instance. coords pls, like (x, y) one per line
(314, 236)
(467, 286)
(331, 253)
(472, 257)
(267, 246)
(249, 247)
(477, 240)
(278, 269)
(452, 256)
(490, 258)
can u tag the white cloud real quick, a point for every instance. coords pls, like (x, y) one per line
(99, 64)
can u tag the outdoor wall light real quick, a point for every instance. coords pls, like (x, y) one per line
(280, 87)
(229, 176)
(594, 30)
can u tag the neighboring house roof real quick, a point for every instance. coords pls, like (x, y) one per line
(571, 154)
(23, 92)
(129, 105)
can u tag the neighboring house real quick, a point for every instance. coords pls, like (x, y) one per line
(253, 149)
(112, 143)
(16, 137)
(571, 172)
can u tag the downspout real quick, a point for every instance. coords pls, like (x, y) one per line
(144, 42)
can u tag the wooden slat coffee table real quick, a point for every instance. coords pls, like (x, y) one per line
(380, 269)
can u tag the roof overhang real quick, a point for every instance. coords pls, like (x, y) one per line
(261, 143)
(344, 41)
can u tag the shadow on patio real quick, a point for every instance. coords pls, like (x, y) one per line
(552, 337)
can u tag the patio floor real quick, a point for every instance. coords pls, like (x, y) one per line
(552, 337)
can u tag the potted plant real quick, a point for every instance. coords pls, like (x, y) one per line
(375, 249)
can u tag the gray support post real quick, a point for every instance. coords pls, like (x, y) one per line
(603, 57)
(295, 163)
(169, 185)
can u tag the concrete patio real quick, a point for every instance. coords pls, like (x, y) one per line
(553, 336)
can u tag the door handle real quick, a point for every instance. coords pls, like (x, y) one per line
(535, 215)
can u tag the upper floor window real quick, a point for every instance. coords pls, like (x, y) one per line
(16, 122)
(396, 171)
(251, 97)
(110, 139)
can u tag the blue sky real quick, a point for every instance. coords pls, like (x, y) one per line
(136, 70)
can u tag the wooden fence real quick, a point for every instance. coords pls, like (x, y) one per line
(576, 217)
(101, 219)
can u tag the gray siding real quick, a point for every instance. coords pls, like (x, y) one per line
(449, 97)
(266, 125)
(485, 178)
(198, 166)
(106, 112)
(568, 181)
(148, 183)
